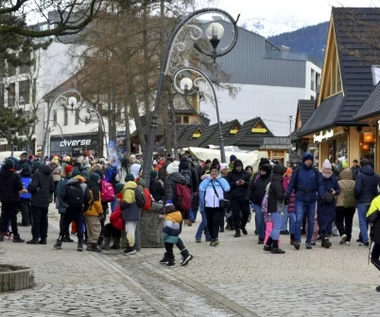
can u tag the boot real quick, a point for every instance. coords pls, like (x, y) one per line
(58, 244)
(130, 250)
(326, 243)
(17, 239)
(276, 249)
(116, 244)
(292, 239)
(171, 260)
(237, 233)
(94, 248)
(106, 244)
(100, 240)
(67, 238)
(186, 257)
(244, 230)
(268, 245)
(165, 259)
(1, 237)
(33, 241)
(80, 246)
(42, 241)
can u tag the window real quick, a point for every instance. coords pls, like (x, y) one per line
(312, 98)
(11, 94)
(376, 74)
(312, 83)
(77, 116)
(65, 116)
(318, 81)
(24, 92)
(178, 119)
(1, 95)
(24, 69)
(55, 118)
(186, 120)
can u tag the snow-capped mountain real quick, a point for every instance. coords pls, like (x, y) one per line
(267, 28)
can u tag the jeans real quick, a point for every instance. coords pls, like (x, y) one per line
(362, 212)
(292, 222)
(301, 208)
(260, 224)
(203, 227)
(276, 220)
(284, 218)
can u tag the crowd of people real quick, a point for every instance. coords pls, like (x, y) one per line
(290, 201)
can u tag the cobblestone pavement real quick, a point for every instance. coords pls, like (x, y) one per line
(236, 278)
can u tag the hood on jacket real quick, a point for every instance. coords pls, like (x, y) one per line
(74, 180)
(346, 174)
(367, 169)
(267, 168)
(184, 163)
(141, 182)
(177, 178)
(130, 185)
(175, 217)
(238, 163)
(45, 169)
(279, 170)
(6, 172)
(94, 187)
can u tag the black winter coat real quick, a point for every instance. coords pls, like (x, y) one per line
(276, 191)
(256, 190)
(10, 185)
(170, 187)
(41, 187)
(157, 190)
(232, 177)
(366, 185)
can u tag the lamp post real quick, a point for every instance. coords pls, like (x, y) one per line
(180, 42)
(187, 86)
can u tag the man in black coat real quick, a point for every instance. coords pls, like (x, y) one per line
(239, 182)
(42, 188)
(10, 186)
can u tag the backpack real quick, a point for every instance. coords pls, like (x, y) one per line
(183, 197)
(349, 200)
(148, 199)
(186, 173)
(108, 192)
(140, 198)
(75, 195)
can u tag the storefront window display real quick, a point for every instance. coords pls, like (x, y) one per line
(367, 144)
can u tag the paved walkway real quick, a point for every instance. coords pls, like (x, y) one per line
(235, 279)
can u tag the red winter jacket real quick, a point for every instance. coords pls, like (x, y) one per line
(116, 218)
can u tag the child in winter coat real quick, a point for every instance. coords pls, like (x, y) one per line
(170, 232)
(93, 212)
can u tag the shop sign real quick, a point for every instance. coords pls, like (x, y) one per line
(323, 135)
(75, 143)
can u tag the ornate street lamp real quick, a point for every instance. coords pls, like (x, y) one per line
(189, 87)
(187, 35)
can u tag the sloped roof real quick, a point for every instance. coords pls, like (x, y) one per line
(305, 108)
(276, 143)
(246, 139)
(356, 31)
(371, 106)
(208, 132)
(226, 127)
(322, 117)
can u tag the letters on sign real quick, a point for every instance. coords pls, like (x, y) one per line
(75, 142)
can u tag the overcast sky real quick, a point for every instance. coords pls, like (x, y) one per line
(308, 11)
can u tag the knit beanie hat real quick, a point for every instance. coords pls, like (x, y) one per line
(169, 207)
(119, 187)
(94, 177)
(10, 163)
(129, 177)
(233, 158)
(326, 164)
(307, 156)
(172, 167)
(26, 167)
(68, 169)
(76, 172)
(153, 174)
(85, 173)
(37, 164)
(223, 166)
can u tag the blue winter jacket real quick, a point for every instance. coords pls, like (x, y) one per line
(307, 182)
(366, 185)
(207, 196)
(331, 183)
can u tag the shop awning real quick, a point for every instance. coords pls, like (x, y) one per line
(323, 117)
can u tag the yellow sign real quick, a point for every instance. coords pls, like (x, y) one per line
(259, 130)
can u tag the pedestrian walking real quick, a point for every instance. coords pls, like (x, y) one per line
(10, 186)
(25, 196)
(42, 189)
(212, 191)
